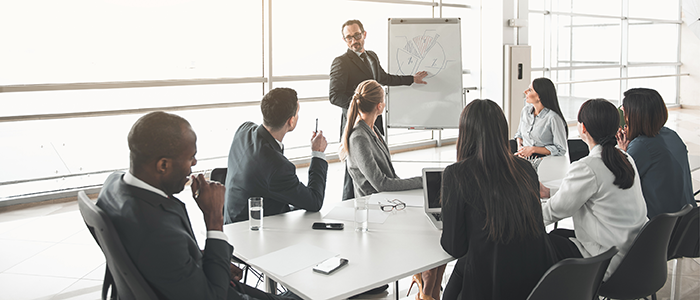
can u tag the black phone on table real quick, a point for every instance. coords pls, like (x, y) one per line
(328, 226)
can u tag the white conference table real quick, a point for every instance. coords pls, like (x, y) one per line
(553, 168)
(405, 244)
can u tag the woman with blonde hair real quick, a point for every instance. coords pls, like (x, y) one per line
(364, 149)
(368, 161)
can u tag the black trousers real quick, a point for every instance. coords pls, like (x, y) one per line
(563, 246)
(348, 188)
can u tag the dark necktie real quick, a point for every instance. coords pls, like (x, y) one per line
(365, 58)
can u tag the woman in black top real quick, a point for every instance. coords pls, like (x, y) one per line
(492, 218)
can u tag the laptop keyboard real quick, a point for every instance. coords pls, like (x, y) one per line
(438, 216)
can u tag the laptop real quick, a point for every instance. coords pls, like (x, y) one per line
(432, 183)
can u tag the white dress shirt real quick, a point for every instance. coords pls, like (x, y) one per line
(134, 181)
(604, 215)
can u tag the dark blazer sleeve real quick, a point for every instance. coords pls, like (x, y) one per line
(286, 185)
(389, 79)
(157, 235)
(455, 226)
(171, 269)
(338, 90)
(640, 154)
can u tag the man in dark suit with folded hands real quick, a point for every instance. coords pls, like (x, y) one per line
(354, 66)
(154, 226)
(257, 165)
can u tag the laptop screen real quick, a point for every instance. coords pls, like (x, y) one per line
(433, 184)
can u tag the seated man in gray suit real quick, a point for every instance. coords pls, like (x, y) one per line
(257, 165)
(154, 226)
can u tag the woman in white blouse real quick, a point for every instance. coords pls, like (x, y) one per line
(542, 129)
(602, 192)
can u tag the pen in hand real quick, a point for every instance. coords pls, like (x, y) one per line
(316, 125)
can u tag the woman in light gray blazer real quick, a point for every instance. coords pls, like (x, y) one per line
(368, 161)
(363, 148)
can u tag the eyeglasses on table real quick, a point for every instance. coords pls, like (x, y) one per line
(394, 204)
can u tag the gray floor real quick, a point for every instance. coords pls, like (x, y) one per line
(47, 253)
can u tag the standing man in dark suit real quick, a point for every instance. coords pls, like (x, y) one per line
(154, 226)
(353, 67)
(257, 165)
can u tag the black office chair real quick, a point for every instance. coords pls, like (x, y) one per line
(577, 149)
(120, 274)
(219, 174)
(642, 272)
(685, 240)
(573, 278)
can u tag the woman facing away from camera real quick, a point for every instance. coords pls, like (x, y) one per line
(369, 163)
(492, 217)
(601, 192)
(542, 129)
(364, 149)
(659, 153)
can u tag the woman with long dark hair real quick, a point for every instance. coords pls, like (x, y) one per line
(659, 153)
(542, 129)
(601, 191)
(492, 218)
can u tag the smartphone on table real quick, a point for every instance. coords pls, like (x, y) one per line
(330, 265)
(328, 226)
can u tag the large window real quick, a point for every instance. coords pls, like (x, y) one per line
(601, 48)
(76, 74)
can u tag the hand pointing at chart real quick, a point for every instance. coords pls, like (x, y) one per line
(418, 78)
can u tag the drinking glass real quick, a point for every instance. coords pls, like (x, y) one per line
(361, 213)
(255, 212)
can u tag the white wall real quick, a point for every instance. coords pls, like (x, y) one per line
(690, 58)
(495, 33)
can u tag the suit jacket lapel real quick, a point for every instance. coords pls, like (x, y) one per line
(182, 212)
(262, 132)
(171, 205)
(359, 63)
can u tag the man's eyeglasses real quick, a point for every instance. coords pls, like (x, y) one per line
(395, 204)
(356, 36)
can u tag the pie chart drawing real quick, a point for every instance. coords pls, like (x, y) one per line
(421, 53)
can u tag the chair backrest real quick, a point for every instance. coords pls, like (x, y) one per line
(573, 278)
(685, 240)
(127, 280)
(513, 145)
(642, 271)
(577, 149)
(219, 174)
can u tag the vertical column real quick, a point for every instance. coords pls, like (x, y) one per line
(547, 32)
(493, 25)
(523, 14)
(678, 60)
(624, 53)
(267, 45)
(571, 51)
